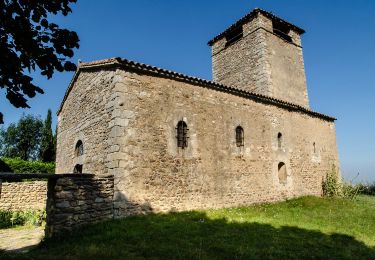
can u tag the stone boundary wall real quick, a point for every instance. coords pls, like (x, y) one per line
(78, 200)
(28, 195)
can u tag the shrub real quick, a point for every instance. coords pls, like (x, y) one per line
(331, 185)
(15, 218)
(368, 189)
(17, 165)
(371, 189)
(334, 187)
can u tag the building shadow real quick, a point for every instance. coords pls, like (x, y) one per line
(194, 235)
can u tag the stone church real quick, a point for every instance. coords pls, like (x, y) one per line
(177, 142)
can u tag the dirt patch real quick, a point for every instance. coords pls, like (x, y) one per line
(20, 239)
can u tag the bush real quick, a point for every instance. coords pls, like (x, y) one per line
(331, 185)
(15, 218)
(368, 189)
(371, 189)
(334, 187)
(17, 165)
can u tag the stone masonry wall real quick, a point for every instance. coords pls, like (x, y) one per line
(90, 108)
(78, 200)
(262, 62)
(244, 64)
(23, 195)
(151, 174)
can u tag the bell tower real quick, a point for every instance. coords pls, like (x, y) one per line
(261, 53)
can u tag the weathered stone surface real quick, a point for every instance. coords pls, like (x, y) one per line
(152, 174)
(262, 62)
(75, 201)
(212, 172)
(23, 195)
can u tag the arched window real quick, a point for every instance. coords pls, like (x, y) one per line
(239, 136)
(279, 140)
(78, 168)
(79, 148)
(282, 172)
(182, 134)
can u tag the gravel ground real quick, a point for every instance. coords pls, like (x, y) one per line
(20, 239)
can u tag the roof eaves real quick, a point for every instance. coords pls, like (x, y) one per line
(132, 65)
(84, 65)
(248, 17)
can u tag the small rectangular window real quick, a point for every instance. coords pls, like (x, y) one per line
(239, 136)
(281, 30)
(182, 137)
(234, 35)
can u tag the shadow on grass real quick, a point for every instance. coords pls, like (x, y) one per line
(194, 235)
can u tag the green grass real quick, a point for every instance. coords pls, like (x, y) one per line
(307, 227)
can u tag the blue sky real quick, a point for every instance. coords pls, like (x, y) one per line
(338, 50)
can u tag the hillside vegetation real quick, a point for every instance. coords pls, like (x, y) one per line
(307, 227)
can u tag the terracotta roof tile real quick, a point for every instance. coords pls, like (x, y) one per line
(144, 68)
(248, 17)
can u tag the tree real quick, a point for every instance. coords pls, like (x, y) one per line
(22, 139)
(28, 41)
(47, 145)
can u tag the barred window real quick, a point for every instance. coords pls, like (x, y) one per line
(182, 137)
(239, 136)
(79, 148)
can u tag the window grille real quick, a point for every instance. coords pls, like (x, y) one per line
(182, 136)
(239, 136)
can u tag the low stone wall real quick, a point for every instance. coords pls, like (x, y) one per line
(76, 200)
(23, 195)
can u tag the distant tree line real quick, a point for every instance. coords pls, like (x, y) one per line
(29, 139)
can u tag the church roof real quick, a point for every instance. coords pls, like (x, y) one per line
(158, 72)
(250, 16)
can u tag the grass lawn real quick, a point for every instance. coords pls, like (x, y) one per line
(307, 227)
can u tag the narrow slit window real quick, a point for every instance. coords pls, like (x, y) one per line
(279, 140)
(282, 173)
(234, 35)
(314, 146)
(239, 136)
(182, 134)
(79, 148)
(281, 30)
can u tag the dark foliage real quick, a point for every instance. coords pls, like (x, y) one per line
(22, 139)
(4, 167)
(47, 146)
(28, 41)
(368, 189)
